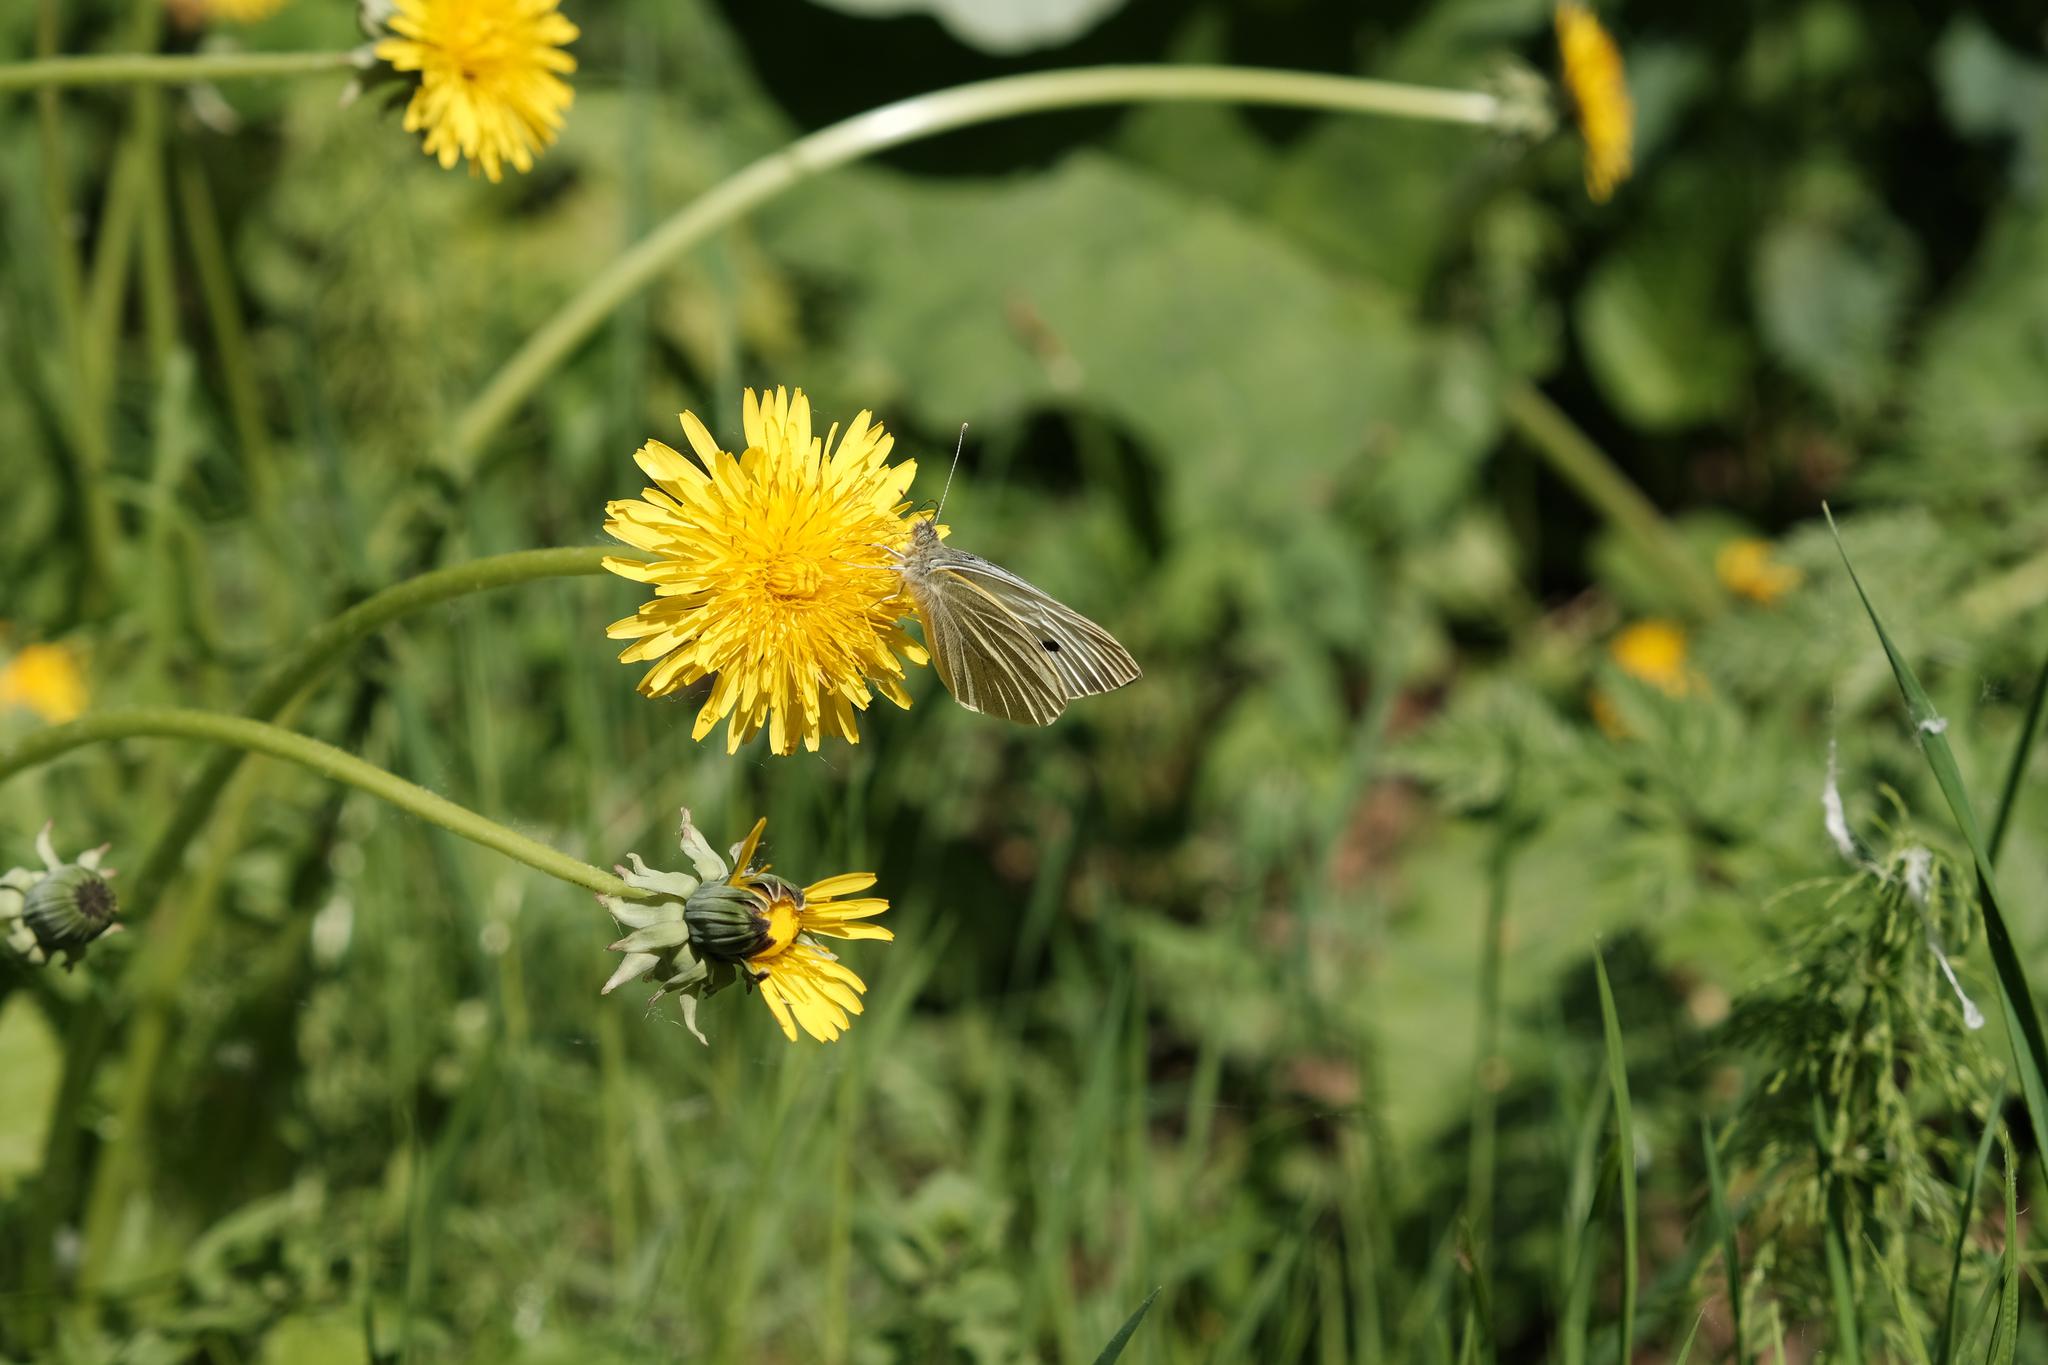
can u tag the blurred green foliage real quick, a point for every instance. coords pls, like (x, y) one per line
(1186, 991)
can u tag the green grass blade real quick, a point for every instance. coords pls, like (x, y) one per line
(2022, 1018)
(1122, 1338)
(1685, 1350)
(2005, 1338)
(1948, 1340)
(1902, 1304)
(1841, 1284)
(1731, 1253)
(2014, 771)
(1625, 1142)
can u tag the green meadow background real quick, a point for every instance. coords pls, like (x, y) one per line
(1269, 982)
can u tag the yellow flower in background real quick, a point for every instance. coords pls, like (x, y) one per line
(46, 679)
(234, 11)
(1598, 84)
(770, 573)
(1747, 568)
(490, 77)
(1654, 651)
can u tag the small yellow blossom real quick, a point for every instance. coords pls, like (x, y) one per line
(1598, 84)
(1654, 652)
(230, 11)
(771, 572)
(47, 680)
(1747, 568)
(490, 77)
(696, 934)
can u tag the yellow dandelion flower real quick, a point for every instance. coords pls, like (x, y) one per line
(1654, 652)
(771, 573)
(1598, 84)
(490, 77)
(46, 679)
(803, 982)
(1747, 568)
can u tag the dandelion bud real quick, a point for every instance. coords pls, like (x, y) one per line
(69, 909)
(726, 922)
(61, 908)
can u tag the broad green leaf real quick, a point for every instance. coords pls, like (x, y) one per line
(31, 1066)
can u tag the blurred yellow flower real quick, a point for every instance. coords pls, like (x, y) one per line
(490, 77)
(1598, 84)
(1654, 651)
(47, 680)
(233, 11)
(771, 571)
(1746, 567)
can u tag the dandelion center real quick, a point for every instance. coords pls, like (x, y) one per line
(785, 917)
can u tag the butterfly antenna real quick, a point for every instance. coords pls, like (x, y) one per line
(951, 471)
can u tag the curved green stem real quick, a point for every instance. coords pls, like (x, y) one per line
(311, 658)
(149, 68)
(325, 759)
(1573, 457)
(910, 120)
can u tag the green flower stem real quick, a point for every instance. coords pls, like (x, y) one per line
(313, 656)
(910, 120)
(224, 318)
(138, 68)
(330, 762)
(1573, 457)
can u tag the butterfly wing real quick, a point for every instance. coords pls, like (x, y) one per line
(1084, 657)
(984, 655)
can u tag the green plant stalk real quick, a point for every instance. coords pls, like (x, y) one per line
(224, 317)
(88, 430)
(2022, 749)
(1841, 1277)
(1485, 1103)
(911, 120)
(1953, 1301)
(324, 759)
(1731, 1250)
(313, 656)
(159, 295)
(138, 68)
(1573, 457)
(1625, 1154)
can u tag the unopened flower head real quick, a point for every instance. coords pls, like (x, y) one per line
(490, 77)
(1598, 85)
(46, 679)
(1748, 568)
(700, 933)
(771, 574)
(59, 908)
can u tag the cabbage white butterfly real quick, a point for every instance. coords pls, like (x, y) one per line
(1000, 645)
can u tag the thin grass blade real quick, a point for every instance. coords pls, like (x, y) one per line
(1946, 1347)
(2016, 770)
(1625, 1142)
(1122, 1338)
(2005, 1338)
(1685, 1349)
(1902, 1304)
(1731, 1253)
(1841, 1283)
(2022, 1017)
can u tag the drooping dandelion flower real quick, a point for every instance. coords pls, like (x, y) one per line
(1747, 568)
(45, 679)
(738, 919)
(490, 73)
(771, 574)
(1598, 85)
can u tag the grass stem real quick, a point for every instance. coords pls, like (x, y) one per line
(139, 68)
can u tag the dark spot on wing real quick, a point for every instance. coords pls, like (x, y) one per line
(1053, 645)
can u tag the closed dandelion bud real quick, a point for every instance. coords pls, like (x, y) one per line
(60, 908)
(728, 923)
(69, 909)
